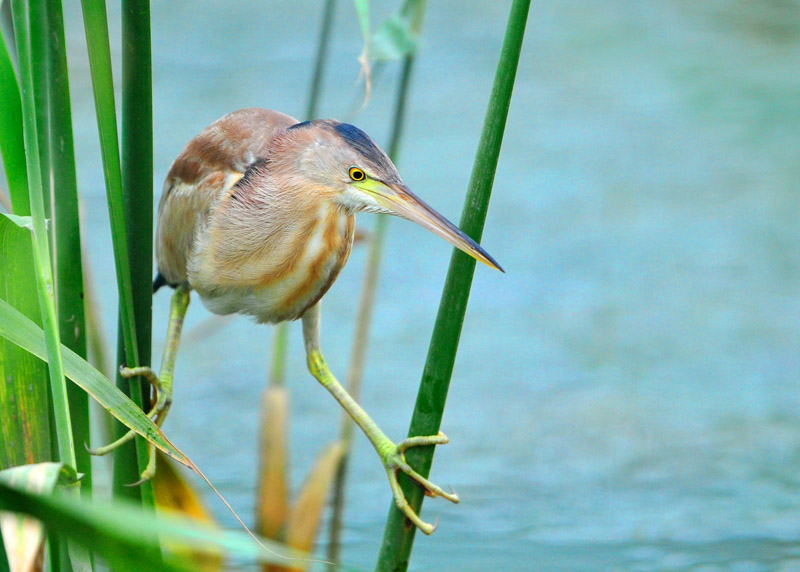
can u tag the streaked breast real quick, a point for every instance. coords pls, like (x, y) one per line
(285, 278)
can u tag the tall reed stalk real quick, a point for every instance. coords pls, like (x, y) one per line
(398, 538)
(137, 204)
(66, 230)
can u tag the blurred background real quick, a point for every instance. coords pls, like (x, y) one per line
(626, 396)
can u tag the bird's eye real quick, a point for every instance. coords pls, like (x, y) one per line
(357, 174)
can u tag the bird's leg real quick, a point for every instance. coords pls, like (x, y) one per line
(392, 454)
(162, 383)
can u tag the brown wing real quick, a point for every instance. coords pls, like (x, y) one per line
(207, 167)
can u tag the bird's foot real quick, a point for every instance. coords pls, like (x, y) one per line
(163, 394)
(394, 459)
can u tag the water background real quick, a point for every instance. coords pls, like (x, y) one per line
(626, 397)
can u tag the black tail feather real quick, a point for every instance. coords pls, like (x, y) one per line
(159, 282)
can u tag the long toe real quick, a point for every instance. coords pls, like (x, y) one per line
(431, 489)
(405, 508)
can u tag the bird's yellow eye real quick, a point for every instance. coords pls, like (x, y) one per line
(357, 174)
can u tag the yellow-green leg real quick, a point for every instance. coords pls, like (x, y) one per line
(392, 454)
(161, 382)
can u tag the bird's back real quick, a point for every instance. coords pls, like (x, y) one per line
(206, 169)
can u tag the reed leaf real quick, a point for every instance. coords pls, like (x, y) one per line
(429, 408)
(41, 249)
(39, 41)
(96, 24)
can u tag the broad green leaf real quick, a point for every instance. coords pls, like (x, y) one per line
(22, 535)
(121, 532)
(25, 430)
(23, 332)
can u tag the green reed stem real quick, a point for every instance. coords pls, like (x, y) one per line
(319, 63)
(66, 230)
(137, 198)
(277, 372)
(398, 539)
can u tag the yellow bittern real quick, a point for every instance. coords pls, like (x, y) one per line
(257, 215)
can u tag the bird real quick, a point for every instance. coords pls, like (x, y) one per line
(257, 216)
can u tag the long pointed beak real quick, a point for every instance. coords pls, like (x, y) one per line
(400, 200)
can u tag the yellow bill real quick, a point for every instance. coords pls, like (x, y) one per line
(402, 202)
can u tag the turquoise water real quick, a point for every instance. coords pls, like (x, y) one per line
(626, 397)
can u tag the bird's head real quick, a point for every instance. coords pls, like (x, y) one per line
(343, 161)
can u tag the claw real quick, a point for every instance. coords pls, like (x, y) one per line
(395, 462)
(435, 525)
(106, 449)
(149, 471)
(150, 375)
(137, 483)
(157, 414)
